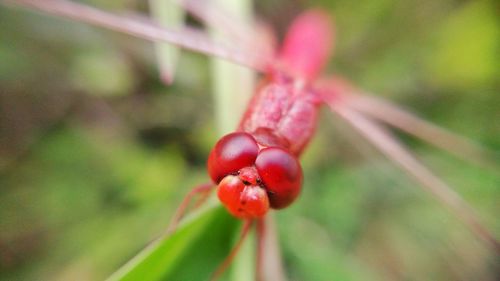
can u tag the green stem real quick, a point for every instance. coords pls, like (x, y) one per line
(233, 85)
(171, 15)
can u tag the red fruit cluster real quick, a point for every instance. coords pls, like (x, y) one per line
(251, 178)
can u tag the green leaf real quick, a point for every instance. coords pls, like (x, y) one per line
(167, 14)
(193, 252)
(233, 85)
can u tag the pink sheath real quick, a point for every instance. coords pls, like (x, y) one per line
(280, 116)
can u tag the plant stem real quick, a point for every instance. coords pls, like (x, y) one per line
(167, 14)
(232, 84)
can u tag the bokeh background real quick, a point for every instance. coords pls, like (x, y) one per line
(96, 153)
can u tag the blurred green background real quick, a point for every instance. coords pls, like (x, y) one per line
(96, 153)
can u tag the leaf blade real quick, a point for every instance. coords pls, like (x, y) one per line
(192, 252)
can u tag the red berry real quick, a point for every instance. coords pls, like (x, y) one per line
(230, 154)
(281, 174)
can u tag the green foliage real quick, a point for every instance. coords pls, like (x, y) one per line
(96, 154)
(192, 252)
(467, 47)
(91, 72)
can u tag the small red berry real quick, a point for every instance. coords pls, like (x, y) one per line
(230, 154)
(281, 174)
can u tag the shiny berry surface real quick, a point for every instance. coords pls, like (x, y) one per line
(230, 154)
(281, 174)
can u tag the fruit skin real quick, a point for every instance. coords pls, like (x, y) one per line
(230, 154)
(281, 175)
